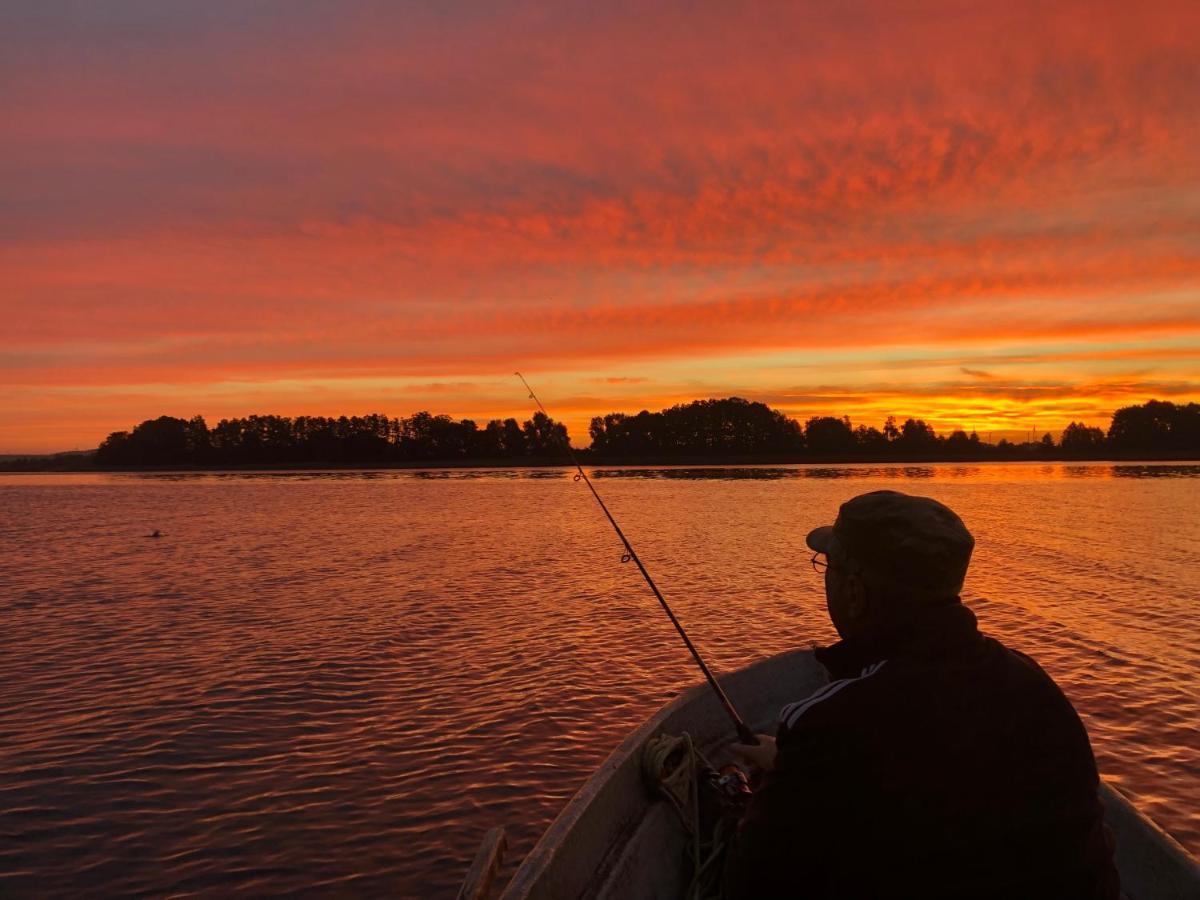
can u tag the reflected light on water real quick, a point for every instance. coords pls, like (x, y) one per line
(340, 680)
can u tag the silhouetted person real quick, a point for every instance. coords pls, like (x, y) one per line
(937, 762)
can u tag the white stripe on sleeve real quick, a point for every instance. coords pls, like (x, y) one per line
(791, 713)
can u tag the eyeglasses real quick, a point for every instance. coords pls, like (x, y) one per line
(820, 562)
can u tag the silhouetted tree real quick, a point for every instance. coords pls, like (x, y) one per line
(514, 439)
(502, 439)
(1185, 429)
(703, 427)
(114, 450)
(1157, 425)
(199, 442)
(429, 437)
(870, 440)
(165, 441)
(1081, 439)
(544, 436)
(916, 438)
(602, 428)
(960, 445)
(827, 436)
(890, 431)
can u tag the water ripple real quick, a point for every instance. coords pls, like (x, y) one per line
(336, 684)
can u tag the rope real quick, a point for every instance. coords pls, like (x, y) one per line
(674, 768)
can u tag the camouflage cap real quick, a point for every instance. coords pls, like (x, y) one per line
(911, 542)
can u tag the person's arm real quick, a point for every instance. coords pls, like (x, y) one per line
(780, 846)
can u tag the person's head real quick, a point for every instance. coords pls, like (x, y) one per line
(890, 555)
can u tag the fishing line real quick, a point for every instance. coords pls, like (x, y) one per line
(745, 735)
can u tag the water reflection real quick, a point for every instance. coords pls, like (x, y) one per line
(1155, 470)
(343, 678)
(889, 471)
(699, 473)
(1088, 471)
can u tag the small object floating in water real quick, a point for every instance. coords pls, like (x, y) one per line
(155, 533)
(616, 838)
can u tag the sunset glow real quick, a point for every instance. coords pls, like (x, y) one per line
(986, 215)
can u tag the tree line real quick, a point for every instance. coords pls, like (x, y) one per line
(373, 439)
(731, 428)
(739, 427)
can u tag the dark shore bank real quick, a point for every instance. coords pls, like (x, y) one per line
(86, 462)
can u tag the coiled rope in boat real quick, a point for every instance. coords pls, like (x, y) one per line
(677, 770)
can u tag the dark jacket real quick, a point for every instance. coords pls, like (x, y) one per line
(937, 763)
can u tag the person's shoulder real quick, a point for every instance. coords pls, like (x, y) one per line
(838, 699)
(1024, 659)
(1019, 676)
(1022, 663)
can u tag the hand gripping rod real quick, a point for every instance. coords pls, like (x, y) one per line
(745, 735)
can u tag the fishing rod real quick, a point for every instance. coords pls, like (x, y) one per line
(745, 735)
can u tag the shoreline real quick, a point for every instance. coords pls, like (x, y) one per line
(14, 467)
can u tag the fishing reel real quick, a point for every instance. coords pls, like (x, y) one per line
(730, 787)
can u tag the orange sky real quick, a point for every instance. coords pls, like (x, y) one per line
(987, 215)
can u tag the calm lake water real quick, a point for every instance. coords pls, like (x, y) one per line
(337, 682)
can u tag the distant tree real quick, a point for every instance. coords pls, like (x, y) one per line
(603, 430)
(1082, 440)
(165, 441)
(452, 440)
(960, 445)
(642, 434)
(369, 438)
(1185, 429)
(114, 450)
(416, 436)
(544, 436)
(890, 431)
(870, 440)
(719, 427)
(513, 439)
(317, 438)
(489, 442)
(428, 437)
(827, 436)
(729, 425)
(226, 439)
(1155, 426)
(916, 438)
(198, 440)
